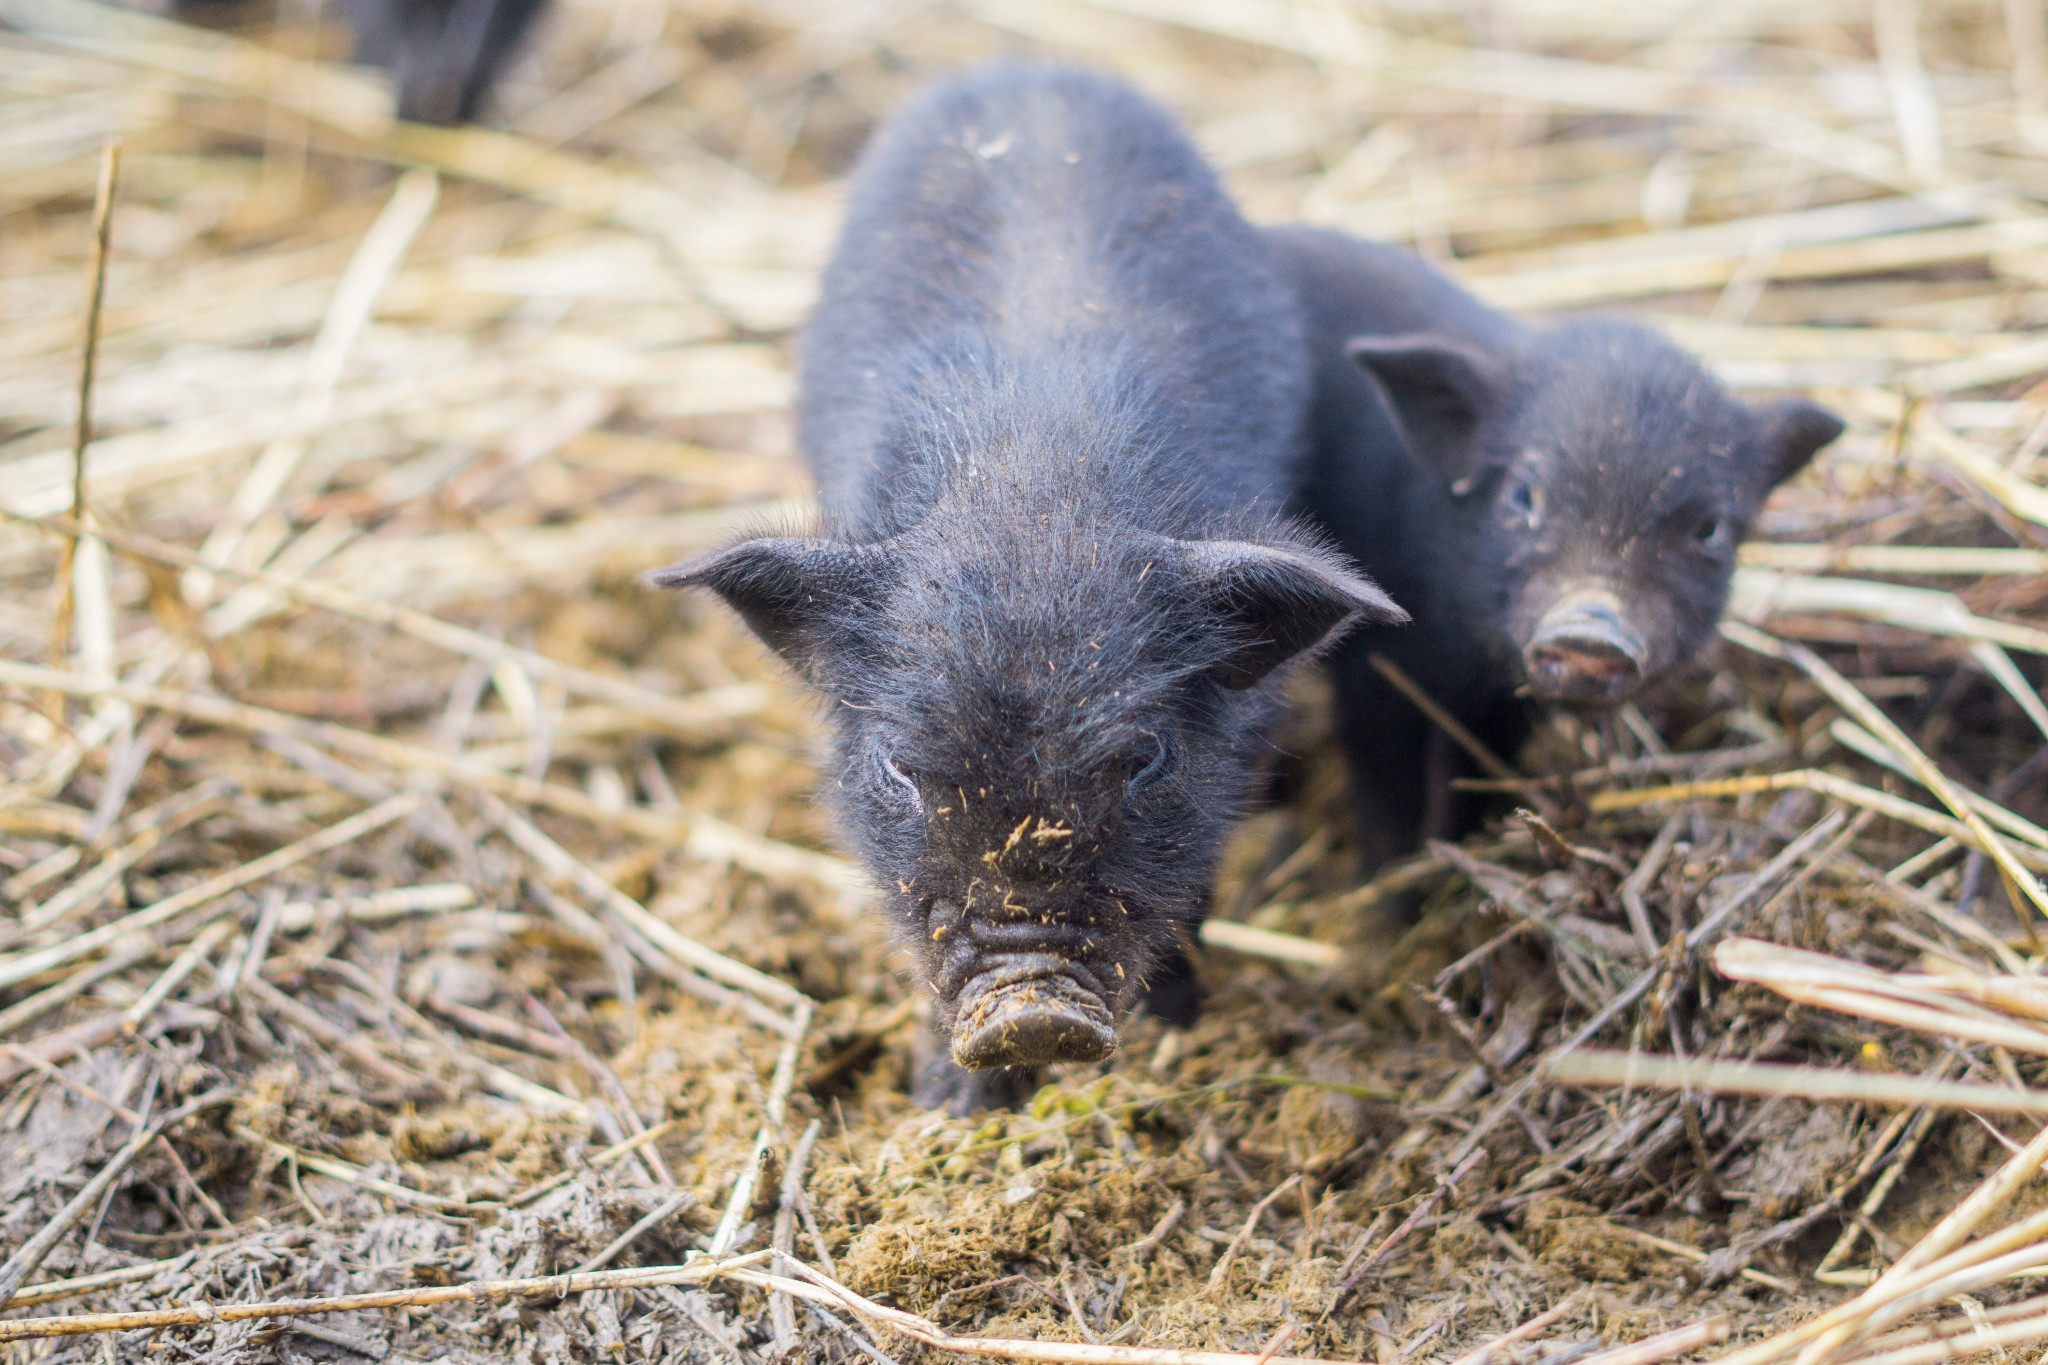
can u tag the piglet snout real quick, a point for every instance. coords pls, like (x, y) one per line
(1584, 650)
(1031, 1009)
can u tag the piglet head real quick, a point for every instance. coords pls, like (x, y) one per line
(1607, 479)
(1043, 729)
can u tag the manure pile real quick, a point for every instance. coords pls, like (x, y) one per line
(418, 942)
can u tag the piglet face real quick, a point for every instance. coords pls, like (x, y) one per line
(1609, 480)
(1612, 564)
(1035, 843)
(1042, 734)
(1627, 479)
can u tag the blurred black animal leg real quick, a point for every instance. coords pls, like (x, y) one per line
(444, 55)
(1386, 748)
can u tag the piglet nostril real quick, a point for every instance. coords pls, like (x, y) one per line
(1583, 650)
(1592, 660)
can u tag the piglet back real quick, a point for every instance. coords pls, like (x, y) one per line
(1029, 247)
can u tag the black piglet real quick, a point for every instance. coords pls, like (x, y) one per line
(1559, 507)
(1053, 396)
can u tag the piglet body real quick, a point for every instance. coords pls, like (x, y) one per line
(1053, 394)
(1558, 508)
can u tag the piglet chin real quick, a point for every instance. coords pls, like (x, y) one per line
(1031, 1009)
(1584, 650)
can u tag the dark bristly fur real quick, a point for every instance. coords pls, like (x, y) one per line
(1052, 394)
(1558, 507)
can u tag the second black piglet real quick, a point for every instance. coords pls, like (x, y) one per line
(1558, 507)
(1053, 395)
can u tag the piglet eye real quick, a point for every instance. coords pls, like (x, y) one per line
(1522, 498)
(1710, 532)
(903, 779)
(1149, 763)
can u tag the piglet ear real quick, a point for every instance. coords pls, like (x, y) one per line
(786, 589)
(1440, 388)
(1271, 604)
(1794, 430)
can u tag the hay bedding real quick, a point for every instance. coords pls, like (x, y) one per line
(465, 905)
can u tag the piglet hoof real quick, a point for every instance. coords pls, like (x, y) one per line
(1174, 994)
(1030, 1013)
(945, 1085)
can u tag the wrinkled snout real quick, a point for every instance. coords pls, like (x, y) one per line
(1031, 1009)
(1584, 650)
